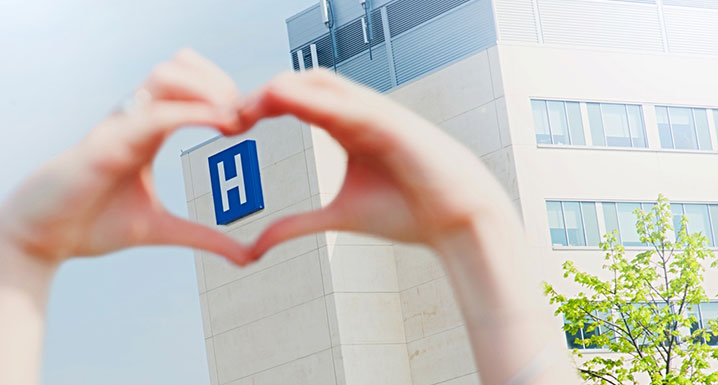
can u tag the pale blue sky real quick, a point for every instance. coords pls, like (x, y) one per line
(131, 318)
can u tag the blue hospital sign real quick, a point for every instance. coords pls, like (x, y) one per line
(236, 185)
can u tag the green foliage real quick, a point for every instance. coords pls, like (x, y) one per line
(643, 306)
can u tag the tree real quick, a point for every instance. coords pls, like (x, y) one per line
(643, 307)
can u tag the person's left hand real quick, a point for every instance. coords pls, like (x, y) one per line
(99, 196)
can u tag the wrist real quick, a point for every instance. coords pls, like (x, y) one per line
(18, 260)
(25, 282)
(487, 260)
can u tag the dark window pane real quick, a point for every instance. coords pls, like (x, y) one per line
(574, 224)
(575, 125)
(556, 225)
(683, 128)
(557, 120)
(704, 135)
(692, 311)
(572, 340)
(588, 334)
(605, 330)
(590, 220)
(664, 127)
(709, 311)
(543, 133)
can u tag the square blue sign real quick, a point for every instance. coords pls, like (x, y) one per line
(236, 184)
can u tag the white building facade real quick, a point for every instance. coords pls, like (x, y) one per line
(583, 109)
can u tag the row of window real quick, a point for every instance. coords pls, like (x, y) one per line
(703, 313)
(620, 125)
(582, 223)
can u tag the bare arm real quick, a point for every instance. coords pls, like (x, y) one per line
(512, 331)
(99, 197)
(24, 289)
(408, 181)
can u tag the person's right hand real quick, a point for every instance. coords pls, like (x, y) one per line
(406, 180)
(99, 196)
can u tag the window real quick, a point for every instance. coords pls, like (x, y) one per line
(692, 311)
(703, 313)
(590, 219)
(713, 211)
(709, 312)
(574, 340)
(684, 128)
(699, 218)
(577, 223)
(677, 210)
(558, 122)
(616, 125)
(620, 217)
(611, 219)
(627, 223)
(555, 223)
(573, 223)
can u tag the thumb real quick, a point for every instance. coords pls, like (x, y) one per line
(295, 226)
(171, 230)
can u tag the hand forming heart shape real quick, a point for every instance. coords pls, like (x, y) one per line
(406, 180)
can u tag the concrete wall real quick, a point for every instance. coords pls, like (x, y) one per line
(596, 173)
(268, 322)
(338, 308)
(467, 101)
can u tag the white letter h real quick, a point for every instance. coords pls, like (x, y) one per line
(228, 184)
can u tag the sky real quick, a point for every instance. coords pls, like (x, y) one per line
(132, 317)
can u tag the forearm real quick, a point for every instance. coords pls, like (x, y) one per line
(510, 325)
(24, 291)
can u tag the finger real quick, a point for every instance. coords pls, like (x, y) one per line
(170, 230)
(127, 139)
(316, 97)
(160, 119)
(209, 70)
(296, 226)
(175, 81)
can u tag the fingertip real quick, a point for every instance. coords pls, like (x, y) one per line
(241, 257)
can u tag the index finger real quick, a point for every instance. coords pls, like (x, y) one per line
(346, 110)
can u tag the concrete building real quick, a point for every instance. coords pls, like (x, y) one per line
(582, 108)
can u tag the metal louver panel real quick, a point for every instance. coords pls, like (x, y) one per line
(305, 27)
(350, 42)
(692, 30)
(373, 73)
(638, 1)
(709, 4)
(516, 20)
(406, 14)
(350, 38)
(444, 40)
(611, 24)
